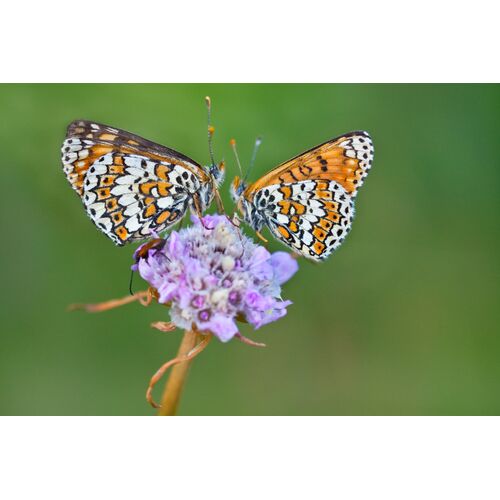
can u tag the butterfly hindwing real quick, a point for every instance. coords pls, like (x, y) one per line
(129, 196)
(311, 217)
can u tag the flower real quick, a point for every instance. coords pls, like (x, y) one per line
(211, 275)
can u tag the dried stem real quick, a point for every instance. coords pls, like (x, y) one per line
(192, 344)
(248, 341)
(143, 297)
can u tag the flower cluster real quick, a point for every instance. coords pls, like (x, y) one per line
(211, 275)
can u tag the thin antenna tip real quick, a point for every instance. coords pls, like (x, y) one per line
(235, 151)
(211, 130)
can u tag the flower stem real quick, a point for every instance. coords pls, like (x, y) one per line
(177, 378)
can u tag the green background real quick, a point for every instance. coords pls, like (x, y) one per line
(402, 319)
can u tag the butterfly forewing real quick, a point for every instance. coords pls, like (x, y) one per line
(99, 133)
(345, 159)
(130, 186)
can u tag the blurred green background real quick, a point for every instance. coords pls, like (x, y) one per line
(402, 319)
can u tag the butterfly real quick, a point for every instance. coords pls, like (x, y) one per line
(308, 202)
(133, 188)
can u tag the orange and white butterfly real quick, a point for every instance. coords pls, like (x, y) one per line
(133, 188)
(308, 202)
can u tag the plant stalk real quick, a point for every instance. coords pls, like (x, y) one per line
(177, 379)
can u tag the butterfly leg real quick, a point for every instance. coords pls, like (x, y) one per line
(261, 237)
(236, 223)
(234, 220)
(181, 359)
(197, 209)
(218, 201)
(238, 232)
(143, 297)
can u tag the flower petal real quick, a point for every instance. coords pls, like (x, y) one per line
(284, 266)
(222, 326)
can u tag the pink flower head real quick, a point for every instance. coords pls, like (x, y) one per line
(211, 273)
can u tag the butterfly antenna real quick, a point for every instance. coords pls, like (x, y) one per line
(235, 151)
(256, 146)
(211, 129)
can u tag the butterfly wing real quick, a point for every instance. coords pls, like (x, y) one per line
(345, 159)
(308, 201)
(87, 141)
(129, 186)
(312, 217)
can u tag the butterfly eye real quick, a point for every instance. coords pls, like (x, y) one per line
(218, 172)
(237, 188)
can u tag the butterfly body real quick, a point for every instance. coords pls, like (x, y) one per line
(132, 187)
(308, 202)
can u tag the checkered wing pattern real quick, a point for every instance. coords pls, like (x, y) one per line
(308, 201)
(311, 217)
(345, 159)
(129, 186)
